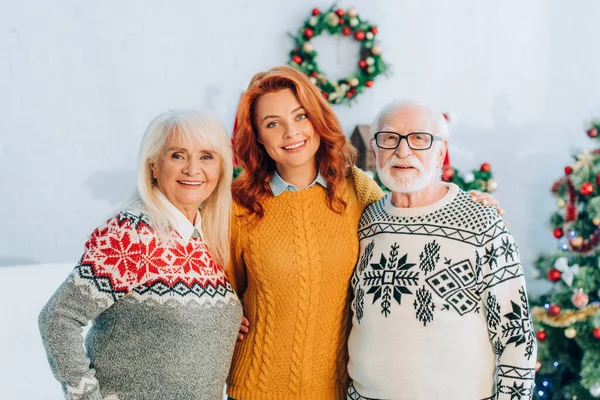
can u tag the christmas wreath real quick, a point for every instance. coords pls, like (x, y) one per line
(347, 23)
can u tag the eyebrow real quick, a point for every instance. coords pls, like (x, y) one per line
(277, 116)
(210, 151)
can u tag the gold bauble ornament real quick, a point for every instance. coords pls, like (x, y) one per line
(570, 333)
(577, 241)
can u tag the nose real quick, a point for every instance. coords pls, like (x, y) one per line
(291, 131)
(192, 167)
(403, 150)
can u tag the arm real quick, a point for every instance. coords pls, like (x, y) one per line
(510, 327)
(367, 190)
(101, 277)
(236, 270)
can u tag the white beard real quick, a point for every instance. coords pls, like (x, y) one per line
(401, 183)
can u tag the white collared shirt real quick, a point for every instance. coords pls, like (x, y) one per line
(278, 185)
(178, 221)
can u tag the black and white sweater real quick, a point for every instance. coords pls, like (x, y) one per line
(440, 305)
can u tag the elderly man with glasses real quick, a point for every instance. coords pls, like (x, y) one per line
(440, 308)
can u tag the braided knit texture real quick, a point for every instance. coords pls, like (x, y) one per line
(292, 270)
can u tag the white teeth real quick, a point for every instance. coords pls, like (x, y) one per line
(294, 146)
(191, 183)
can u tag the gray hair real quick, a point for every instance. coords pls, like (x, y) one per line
(437, 119)
(215, 210)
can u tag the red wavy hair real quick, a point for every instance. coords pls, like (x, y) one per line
(335, 156)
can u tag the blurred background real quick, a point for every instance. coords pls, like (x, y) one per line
(80, 81)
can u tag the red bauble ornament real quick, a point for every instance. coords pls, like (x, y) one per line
(596, 333)
(485, 167)
(369, 83)
(568, 170)
(346, 31)
(325, 95)
(586, 188)
(316, 11)
(359, 35)
(297, 59)
(554, 275)
(314, 74)
(296, 49)
(362, 63)
(308, 33)
(554, 310)
(541, 335)
(349, 94)
(339, 12)
(558, 233)
(592, 132)
(374, 30)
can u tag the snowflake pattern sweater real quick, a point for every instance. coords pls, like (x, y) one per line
(165, 318)
(292, 268)
(440, 305)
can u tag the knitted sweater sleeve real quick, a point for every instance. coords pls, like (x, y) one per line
(367, 190)
(509, 323)
(236, 270)
(107, 271)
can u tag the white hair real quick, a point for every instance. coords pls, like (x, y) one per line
(215, 211)
(440, 126)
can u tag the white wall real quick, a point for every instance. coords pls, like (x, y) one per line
(79, 82)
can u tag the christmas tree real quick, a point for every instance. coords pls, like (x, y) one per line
(567, 319)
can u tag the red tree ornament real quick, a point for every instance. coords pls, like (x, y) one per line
(580, 299)
(374, 30)
(570, 212)
(586, 188)
(568, 170)
(592, 132)
(554, 310)
(339, 12)
(362, 63)
(558, 233)
(316, 11)
(346, 31)
(554, 275)
(359, 35)
(308, 33)
(485, 167)
(297, 59)
(596, 333)
(541, 335)
(369, 83)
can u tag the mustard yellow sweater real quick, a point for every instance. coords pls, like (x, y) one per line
(292, 270)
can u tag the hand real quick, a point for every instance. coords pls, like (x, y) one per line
(244, 327)
(486, 199)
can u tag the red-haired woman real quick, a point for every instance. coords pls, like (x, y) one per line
(294, 240)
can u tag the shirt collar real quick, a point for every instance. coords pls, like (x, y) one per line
(178, 221)
(278, 185)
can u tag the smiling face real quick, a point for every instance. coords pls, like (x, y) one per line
(285, 131)
(186, 172)
(404, 170)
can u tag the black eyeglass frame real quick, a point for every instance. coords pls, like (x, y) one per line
(433, 138)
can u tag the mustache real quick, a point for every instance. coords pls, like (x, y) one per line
(410, 161)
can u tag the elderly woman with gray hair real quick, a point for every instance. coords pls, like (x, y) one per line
(165, 317)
